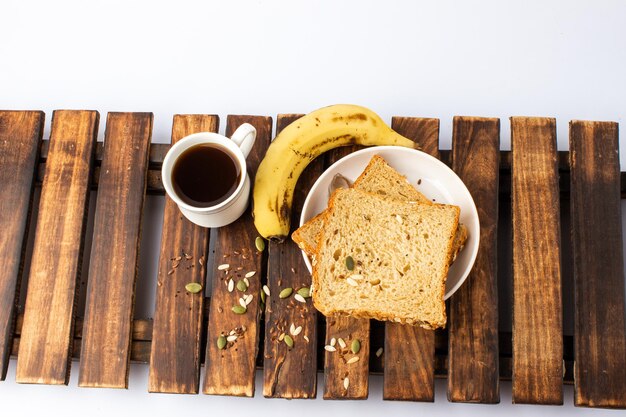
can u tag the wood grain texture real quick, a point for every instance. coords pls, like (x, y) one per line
(336, 368)
(46, 341)
(290, 372)
(107, 328)
(178, 315)
(600, 334)
(473, 317)
(537, 322)
(231, 371)
(20, 139)
(409, 370)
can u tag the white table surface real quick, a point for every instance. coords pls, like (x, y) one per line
(564, 59)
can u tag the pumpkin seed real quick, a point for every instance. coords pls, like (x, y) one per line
(259, 242)
(286, 292)
(241, 286)
(305, 292)
(239, 309)
(379, 352)
(356, 346)
(193, 287)
(288, 341)
(221, 342)
(263, 296)
(349, 263)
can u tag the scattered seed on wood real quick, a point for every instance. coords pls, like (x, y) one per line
(242, 302)
(201, 260)
(286, 292)
(355, 347)
(330, 348)
(231, 285)
(299, 298)
(288, 341)
(242, 286)
(333, 341)
(221, 342)
(223, 267)
(262, 296)
(305, 292)
(259, 242)
(297, 331)
(248, 299)
(306, 338)
(293, 270)
(239, 310)
(281, 337)
(175, 264)
(379, 352)
(178, 258)
(193, 287)
(220, 310)
(188, 257)
(266, 290)
(341, 342)
(346, 383)
(352, 360)
(237, 252)
(250, 274)
(231, 338)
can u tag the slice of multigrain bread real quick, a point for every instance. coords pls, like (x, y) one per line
(378, 178)
(384, 259)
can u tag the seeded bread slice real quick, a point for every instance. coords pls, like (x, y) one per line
(378, 178)
(400, 252)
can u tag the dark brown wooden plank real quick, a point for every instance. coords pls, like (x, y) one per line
(537, 323)
(473, 316)
(110, 300)
(290, 372)
(20, 137)
(336, 368)
(409, 372)
(45, 346)
(175, 351)
(231, 371)
(600, 334)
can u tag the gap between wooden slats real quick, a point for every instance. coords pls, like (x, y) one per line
(106, 341)
(600, 334)
(178, 315)
(473, 317)
(537, 321)
(46, 334)
(290, 372)
(409, 362)
(20, 137)
(231, 371)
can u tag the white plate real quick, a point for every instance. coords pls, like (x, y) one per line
(438, 182)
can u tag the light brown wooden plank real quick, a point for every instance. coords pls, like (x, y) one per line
(290, 372)
(46, 340)
(336, 367)
(106, 342)
(231, 371)
(537, 322)
(473, 317)
(409, 371)
(175, 350)
(20, 139)
(596, 208)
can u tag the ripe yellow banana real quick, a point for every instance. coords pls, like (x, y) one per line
(300, 143)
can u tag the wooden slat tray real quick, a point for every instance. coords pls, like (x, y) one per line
(536, 205)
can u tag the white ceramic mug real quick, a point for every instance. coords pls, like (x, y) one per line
(229, 210)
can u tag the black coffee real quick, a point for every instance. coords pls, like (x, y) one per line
(205, 175)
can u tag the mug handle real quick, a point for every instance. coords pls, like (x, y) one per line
(244, 137)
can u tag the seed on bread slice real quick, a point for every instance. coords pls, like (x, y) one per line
(381, 179)
(400, 267)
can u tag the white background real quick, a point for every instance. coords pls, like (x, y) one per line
(564, 59)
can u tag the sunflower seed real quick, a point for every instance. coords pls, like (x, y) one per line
(231, 338)
(346, 383)
(352, 282)
(188, 257)
(398, 218)
(259, 242)
(221, 342)
(288, 341)
(266, 290)
(193, 287)
(248, 299)
(306, 338)
(353, 359)
(231, 285)
(300, 298)
(333, 341)
(341, 342)
(239, 309)
(292, 328)
(355, 347)
(246, 281)
(379, 352)
(286, 292)
(305, 292)
(223, 267)
(250, 274)
(170, 272)
(297, 331)
(281, 337)
(241, 286)
(242, 302)
(329, 348)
